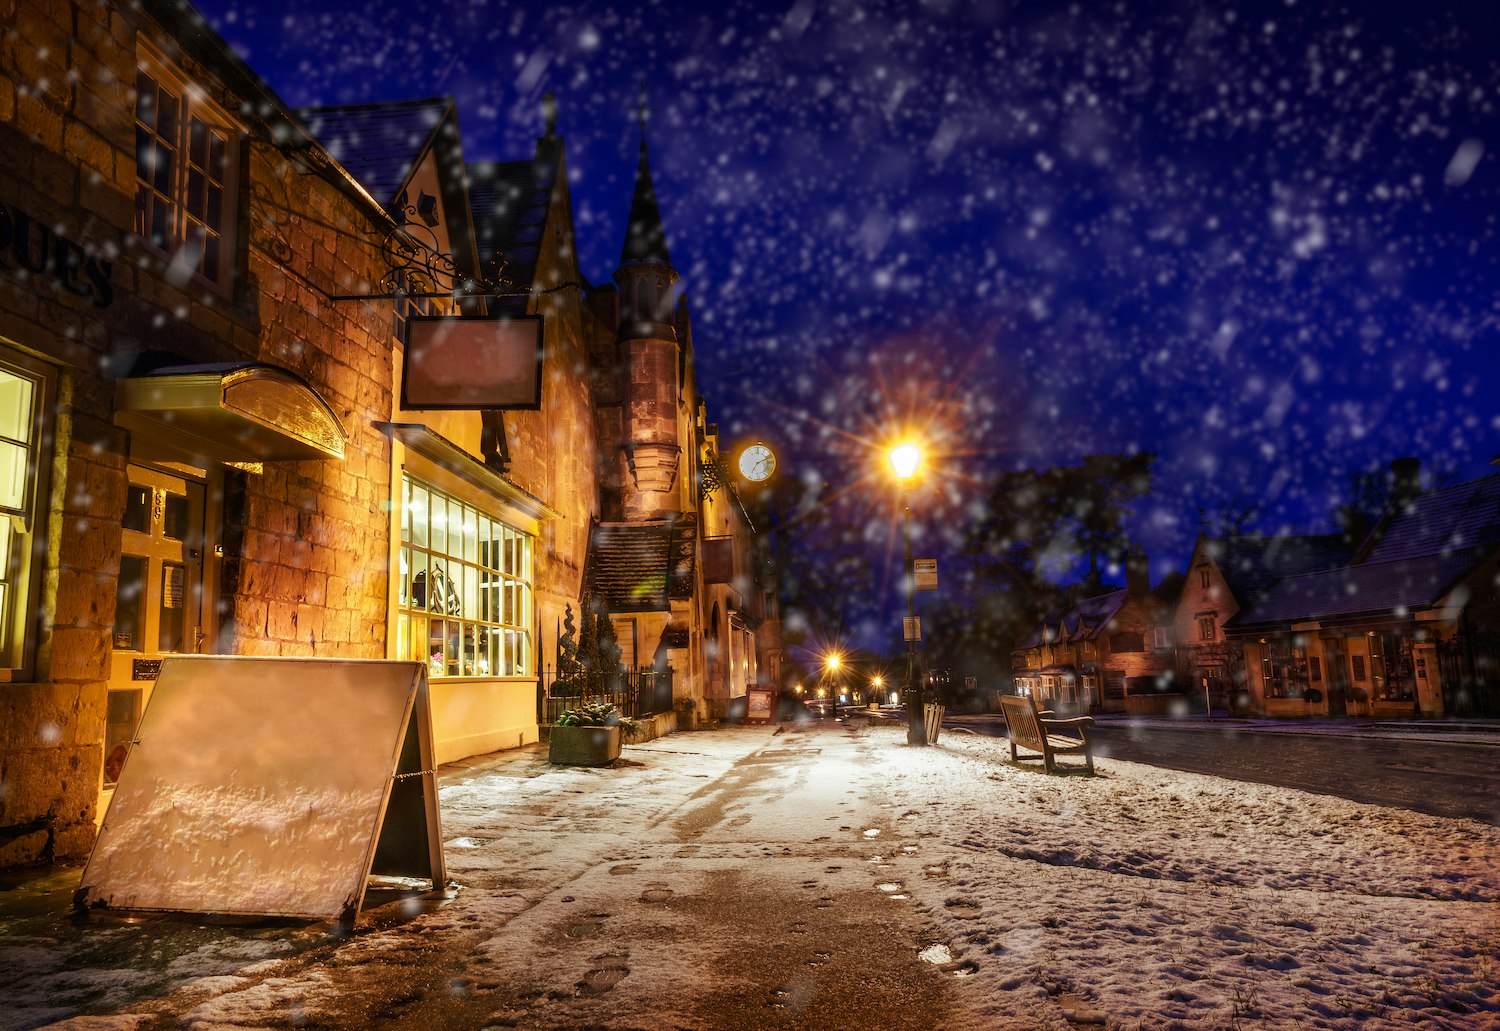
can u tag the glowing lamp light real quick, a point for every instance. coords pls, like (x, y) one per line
(905, 460)
(834, 661)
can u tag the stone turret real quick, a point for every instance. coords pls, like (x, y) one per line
(649, 348)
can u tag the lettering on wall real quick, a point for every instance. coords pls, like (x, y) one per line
(34, 248)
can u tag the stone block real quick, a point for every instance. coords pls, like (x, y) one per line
(80, 653)
(26, 850)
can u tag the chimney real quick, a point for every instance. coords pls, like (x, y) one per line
(1137, 572)
(1406, 482)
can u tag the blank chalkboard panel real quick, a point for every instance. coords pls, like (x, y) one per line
(263, 787)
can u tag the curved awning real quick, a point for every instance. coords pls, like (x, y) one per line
(232, 412)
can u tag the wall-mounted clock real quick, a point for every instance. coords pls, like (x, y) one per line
(757, 463)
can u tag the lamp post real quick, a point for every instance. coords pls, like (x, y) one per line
(906, 460)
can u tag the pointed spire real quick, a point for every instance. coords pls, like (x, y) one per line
(645, 238)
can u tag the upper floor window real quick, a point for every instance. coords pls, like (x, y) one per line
(1206, 630)
(1161, 637)
(185, 159)
(1203, 578)
(26, 389)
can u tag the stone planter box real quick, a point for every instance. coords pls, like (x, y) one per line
(1393, 710)
(583, 746)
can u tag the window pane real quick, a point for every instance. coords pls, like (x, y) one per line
(13, 477)
(174, 520)
(471, 535)
(128, 592)
(197, 143)
(171, 630)
(137, 509)
(418, 516)
(455, 529)
(122, 713)
(437, 525)
(195, 202)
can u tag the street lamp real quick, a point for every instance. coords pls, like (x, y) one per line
(906, 461)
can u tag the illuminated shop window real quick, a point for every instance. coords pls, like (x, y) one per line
(464, 588)
(25, 415)
(185, 159)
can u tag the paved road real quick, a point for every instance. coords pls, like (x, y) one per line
(1424, 772)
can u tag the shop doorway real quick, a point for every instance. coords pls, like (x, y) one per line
(1337, 665)
(160, 600)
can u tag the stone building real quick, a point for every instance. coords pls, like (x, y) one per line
(1109, 652)
(1408, 625)
(238, 408)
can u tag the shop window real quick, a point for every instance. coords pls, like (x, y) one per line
(26, 392)
(1284, 667)
(186, 155)
(1357, 663)
(464, 588)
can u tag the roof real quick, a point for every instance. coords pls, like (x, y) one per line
(510, 201)
(1423, 551)
(645, 237)
(1094, 613)
(1252, 565)
(1411, 583)
(1443, 522)
(378, 144)
(641, 567)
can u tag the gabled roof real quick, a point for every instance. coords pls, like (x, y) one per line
(1412, 583)
(1081, 621)
(1423, 552)
(1442, 522)
(1252, 565)
(379, 144)
(642, 567)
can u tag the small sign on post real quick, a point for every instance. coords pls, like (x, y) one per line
(924, 574)
(911, 627)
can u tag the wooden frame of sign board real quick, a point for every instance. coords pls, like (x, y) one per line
(271, 787)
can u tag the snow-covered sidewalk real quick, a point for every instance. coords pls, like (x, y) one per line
(830, 876)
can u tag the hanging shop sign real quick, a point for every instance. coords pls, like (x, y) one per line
(34, 250)
(473, 362)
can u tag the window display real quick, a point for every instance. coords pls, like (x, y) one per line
(464, 588)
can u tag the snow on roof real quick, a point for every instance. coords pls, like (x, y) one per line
(1442, 522)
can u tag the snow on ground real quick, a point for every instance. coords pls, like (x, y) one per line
(676, 889)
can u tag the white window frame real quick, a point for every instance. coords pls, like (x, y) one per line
(184, 228)
(23, 533)
(491, 635)
(1161, 637)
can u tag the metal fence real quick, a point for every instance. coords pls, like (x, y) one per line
(1469, 664)
(636, 692)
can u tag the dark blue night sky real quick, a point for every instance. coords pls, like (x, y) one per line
(1260, 239)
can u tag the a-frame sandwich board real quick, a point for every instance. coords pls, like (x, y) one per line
(271, 787)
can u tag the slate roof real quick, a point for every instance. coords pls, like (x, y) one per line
(1094, 613)
(641, 567)
(1411, 583)
(509, 201)
(1443, 521)
(1422, 553)
(1252, 565)
(377, 143)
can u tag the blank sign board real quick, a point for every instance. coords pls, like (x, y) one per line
(271, 787)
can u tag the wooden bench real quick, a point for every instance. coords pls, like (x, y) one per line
(1035, 730)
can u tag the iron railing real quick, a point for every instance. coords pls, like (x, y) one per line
(636, 692)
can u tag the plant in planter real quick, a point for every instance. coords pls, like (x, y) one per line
(588, 735)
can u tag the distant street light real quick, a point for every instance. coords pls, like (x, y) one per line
(906, 462)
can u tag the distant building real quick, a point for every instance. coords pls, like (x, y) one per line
(1408, 625)
(1225, 575)
(1111, 652)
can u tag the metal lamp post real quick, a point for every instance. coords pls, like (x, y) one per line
(905, 460)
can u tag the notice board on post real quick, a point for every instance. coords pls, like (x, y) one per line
(271, 787)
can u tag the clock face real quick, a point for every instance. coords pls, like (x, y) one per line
(757, 462)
